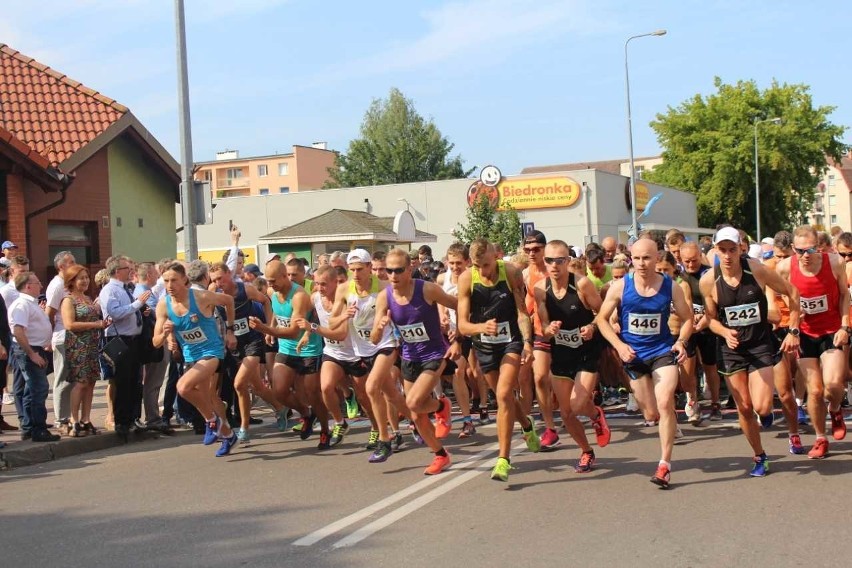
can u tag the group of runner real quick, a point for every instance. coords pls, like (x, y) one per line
(388, 339)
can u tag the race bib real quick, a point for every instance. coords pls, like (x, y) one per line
(644, 324)
(698, 309)
(742, 315)
(414, 333)
(241, 326)
(502, 335)
(364, 332)
(568, 338)
(193, 336)
(282, 321)
(333, 342)
(816, 305)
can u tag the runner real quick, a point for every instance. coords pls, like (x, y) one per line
(493, 313)
(188, 315)
(565, 305)
(820, 279)
(411, 305)
(645, 343)
(736, 305)
(250, 350)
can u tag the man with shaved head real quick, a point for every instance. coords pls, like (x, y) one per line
(610, 246)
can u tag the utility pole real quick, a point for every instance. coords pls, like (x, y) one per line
(187, 198)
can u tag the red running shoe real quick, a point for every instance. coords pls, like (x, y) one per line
(838, 425)
(439, 464)
(662, 476)
(587, 460)
(820, 449)
(549, 439)
(602, 432)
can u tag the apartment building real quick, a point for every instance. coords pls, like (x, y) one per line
(833, 197)
(303, 169)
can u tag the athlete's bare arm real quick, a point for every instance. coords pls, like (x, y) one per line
(340, 311)
(519, 291)
(466, 327)
(434, 294)
(163, 327)
(775, 281)
(707, 284)
(608, 309)
(839, 268)
(256, 295)
(382, 319)
(548, 328)
(684, 312)
(589, 294)
(206, 303)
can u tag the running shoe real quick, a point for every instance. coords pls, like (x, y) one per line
(796, 446)
(382, 453)
(337, 433)
(531, 437)
(227, 444)
(715, 412)
(838, 426)
(632, 406)
(324, 441)
(8, 398)
(243, 437)
(662, 476)
(307, 427)
(803, 416)
(439, 464)
(760, 467)
(443, 421)
(352, 409)
(501, 470)
(820, 449)
(211, 432)
(373, 440)
(398, 441)
(483, 416)
(650, 423)
(602, 432)
(730, 404)
(678, 433)
(549, 439)
(587, 460)
(281, 419)
(468, 429)
(693, 412)
(416, 435)
(766, 421)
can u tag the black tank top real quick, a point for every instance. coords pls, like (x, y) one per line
(570, 309)
(743, 308)
(494, 302)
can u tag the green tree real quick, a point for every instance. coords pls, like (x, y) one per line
(484, 221)
(396, 145)
(708, 149)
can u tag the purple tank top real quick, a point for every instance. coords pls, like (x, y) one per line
(419, 326)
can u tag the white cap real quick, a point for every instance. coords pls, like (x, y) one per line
(755, 250)
(359, 255)
(727, 234)
(768, 241)
(271, 256)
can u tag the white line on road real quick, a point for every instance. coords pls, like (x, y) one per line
(341, 524)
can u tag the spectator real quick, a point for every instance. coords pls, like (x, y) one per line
(32, 335)
(251, 272)
(379, 265)
(5, 353)
(296, 274)
(424, 252)
(82, 323)
(101, 280)
(19, 265)
(10, 251)
(155, 361)
(337, 258)
(322, 260)
(56, 292)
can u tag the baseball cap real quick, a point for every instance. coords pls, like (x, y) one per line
(727, 234)
(253, 269)
(359, 255)
(535, 237)
(270, 257)
(754, 250)
(9, 245)
(768, 241)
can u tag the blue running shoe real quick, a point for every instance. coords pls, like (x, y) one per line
(281, 419)
(766, 421)
(227, 444)
(760, 467)
(211, 432)
(803, 416)
(796, 447)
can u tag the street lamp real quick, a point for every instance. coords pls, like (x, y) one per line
(757, 122)
(634, 223)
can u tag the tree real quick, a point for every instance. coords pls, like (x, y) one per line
(708, 149)
(485, 221)
(396, 146)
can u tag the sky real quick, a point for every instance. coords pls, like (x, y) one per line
(513, 83)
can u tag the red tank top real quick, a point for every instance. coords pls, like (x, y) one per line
(820, 299)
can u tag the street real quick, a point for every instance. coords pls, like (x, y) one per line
(278, 502)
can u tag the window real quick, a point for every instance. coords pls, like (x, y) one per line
(639, 171)
(79, 238)
(831, 180)
(283, 169)
(207, 175)
(832, 200)
(264, 191)
(283, 190)
(834, 219)
(262, 170)
(233, 173)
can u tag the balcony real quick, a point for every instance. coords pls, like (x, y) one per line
(232, 183)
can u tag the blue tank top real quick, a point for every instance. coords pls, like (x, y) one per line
(645, 321)
(419, 326)
(283, 311)
(197, 334)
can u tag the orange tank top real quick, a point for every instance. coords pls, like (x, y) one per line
(534, 275)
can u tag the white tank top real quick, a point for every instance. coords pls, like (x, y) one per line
(340, 350)
(361, 325)
(452, 290)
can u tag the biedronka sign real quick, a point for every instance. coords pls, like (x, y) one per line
(528, 193)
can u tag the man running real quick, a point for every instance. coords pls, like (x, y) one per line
(736, 304)
(645, 344)
(189, 316)
(820, 279)
(411, 305)
(566, 306)
(492, 311)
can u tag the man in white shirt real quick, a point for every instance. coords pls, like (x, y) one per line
(32, 335)
(61, 387)
(18, 265)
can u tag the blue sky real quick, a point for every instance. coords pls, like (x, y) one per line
(511, 82)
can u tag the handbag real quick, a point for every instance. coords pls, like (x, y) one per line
(147, 352)
(113, 349)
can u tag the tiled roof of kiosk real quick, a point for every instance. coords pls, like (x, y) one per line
(53, 114)
(340, 222)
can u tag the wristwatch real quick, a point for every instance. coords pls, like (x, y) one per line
(314, 327)
(229, 327)
(794, 331)
(847, 329)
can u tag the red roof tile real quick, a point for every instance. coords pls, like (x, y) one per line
(12, 140)
(53, 114)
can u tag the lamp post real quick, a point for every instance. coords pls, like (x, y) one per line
(757, 122)
(634, 223)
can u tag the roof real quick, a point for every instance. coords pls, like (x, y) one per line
(52, 113)
(264, 157)
(344, 222)
(34, 165)
(612, 166)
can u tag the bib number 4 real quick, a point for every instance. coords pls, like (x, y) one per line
(502, 335)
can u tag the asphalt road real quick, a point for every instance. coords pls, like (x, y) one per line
(169, 502)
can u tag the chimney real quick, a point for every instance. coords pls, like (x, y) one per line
(320, 145)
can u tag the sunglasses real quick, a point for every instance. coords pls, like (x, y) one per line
(801, 252)
(557, 260)
(529, 250)
(399, 270)
(845, 254)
